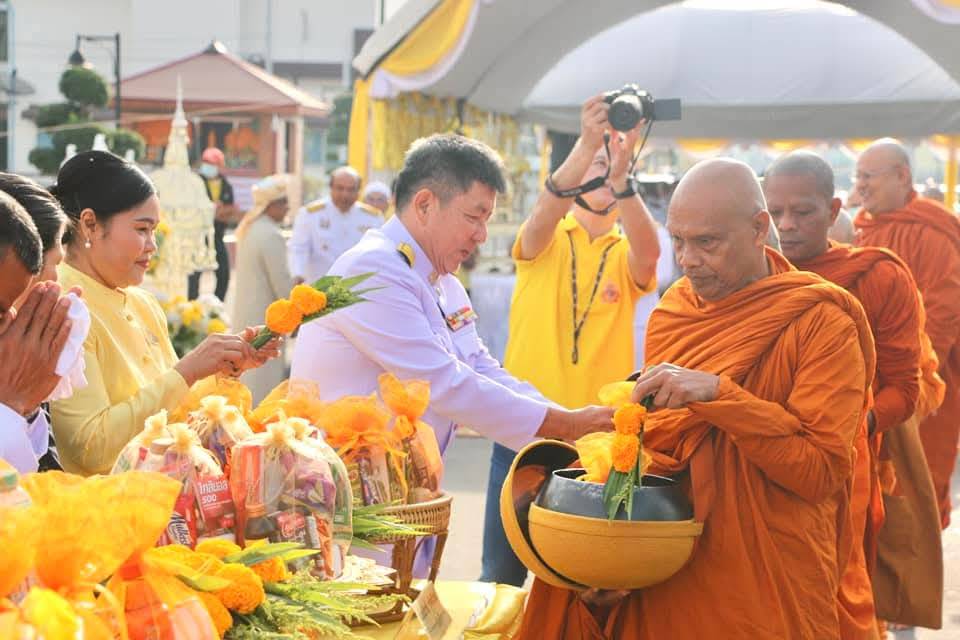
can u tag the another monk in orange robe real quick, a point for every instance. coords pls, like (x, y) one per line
(799, 190)
(926, 236)
(763, 381)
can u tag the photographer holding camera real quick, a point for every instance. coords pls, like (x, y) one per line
(579, 276)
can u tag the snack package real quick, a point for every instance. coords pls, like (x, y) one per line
(424, 465)
(284, 491)
(204, 508)
(357, 427)
(343, 506)
(86, 529)
(135, 453)
(220, 427)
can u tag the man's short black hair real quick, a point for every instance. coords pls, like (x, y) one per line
(18, 232)
(448, 165)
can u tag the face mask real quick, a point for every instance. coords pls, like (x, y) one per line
(209, 170)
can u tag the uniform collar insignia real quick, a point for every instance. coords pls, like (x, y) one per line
(407, 253)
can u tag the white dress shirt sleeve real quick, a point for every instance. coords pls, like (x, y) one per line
(300, 245)
(488, 366)
(23, 444)
(393, 331)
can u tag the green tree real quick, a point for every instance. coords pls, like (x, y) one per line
(85, 91)
(340, 119)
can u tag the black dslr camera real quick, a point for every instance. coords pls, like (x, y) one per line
(631, 104)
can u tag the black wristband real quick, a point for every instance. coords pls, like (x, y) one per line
(629, 192)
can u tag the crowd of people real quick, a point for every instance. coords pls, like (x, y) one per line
(805, 388)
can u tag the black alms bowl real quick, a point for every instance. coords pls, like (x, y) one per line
(659, 499)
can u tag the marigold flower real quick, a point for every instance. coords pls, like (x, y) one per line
(283, 317)
(217, 547)
(272, 570)
(245, 592)
(216, 325)
(629, 419)
(625, 450)
(221, 618)
(307, 299)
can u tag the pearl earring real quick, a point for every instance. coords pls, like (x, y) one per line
(86, 244)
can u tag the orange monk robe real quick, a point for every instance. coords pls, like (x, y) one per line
(883, 285)
(769, 461)
(926, 235)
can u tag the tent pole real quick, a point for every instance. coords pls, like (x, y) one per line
(950, 197)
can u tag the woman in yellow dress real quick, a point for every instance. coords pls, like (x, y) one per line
(131, 367)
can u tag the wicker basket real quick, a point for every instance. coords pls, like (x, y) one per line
(434, 515)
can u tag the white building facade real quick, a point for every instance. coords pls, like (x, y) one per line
(310, 42)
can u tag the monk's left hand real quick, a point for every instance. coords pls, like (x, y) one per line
(673, 387)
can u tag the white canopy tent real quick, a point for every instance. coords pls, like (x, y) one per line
(746, 69)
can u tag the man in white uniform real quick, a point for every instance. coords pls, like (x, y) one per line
(324, 229)
(420, 323)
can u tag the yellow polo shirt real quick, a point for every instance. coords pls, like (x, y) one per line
(540, 346)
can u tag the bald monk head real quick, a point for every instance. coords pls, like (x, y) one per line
(884, 178)
(799, 192)
(719, 223)
(843, 229)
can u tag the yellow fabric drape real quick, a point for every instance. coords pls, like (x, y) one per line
(359, 124)
(430, 40)
(422, 49)
(950, 177)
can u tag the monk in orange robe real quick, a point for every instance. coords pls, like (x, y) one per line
(799, 190)
(763, 381)
(926, 236)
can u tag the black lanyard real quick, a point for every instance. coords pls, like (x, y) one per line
(578, 324)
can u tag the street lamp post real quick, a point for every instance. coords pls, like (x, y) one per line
(77, 60)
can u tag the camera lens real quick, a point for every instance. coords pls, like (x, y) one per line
(625, 112)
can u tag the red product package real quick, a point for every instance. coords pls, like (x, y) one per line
(182, 528)
(214, 504)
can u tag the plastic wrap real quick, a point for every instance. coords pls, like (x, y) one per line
(408, 400)
(343, 505)
(236, 393)
(284, 492)
(358, 428)
(204, 508)
(135, 453)
(220, 427)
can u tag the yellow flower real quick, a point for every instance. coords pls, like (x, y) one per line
(192, 313)
(217, 547)
(204, 563)
(283, 317)
(616, 394)
(629, 419)
(222, 619)
(625, 450)
(272, 570)
(163, 228)
(307, 299)
(216, 325)
(245, 592)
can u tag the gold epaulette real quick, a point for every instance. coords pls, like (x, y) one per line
(406, 252)
(369, 208)
(316, 205)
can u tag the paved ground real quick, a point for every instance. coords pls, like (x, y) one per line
(466, 476)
